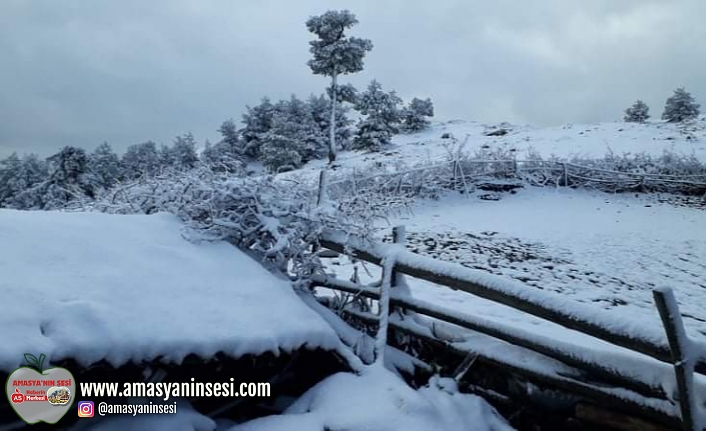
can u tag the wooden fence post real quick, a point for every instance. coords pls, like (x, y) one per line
(679, 345)
(322, 187)
(399, 236)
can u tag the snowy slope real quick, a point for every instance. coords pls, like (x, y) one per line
(577, 249)
(606, 250)
(610, 250)
(97, 286)
(379, 400)
(565, 142)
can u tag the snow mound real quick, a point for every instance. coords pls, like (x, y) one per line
(379, 400)
(95, 286)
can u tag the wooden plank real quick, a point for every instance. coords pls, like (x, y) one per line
(679, 344)
(548, 349)
(399, 236)
(596, 394)
(607, 418)
(536, 308)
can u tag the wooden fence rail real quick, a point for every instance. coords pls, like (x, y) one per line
(536, 303)
(455, 173)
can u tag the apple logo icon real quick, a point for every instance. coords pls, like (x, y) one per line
(40, 395)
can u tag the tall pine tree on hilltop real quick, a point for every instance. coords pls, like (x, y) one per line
(335, 54)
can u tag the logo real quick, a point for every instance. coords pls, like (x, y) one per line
(17, 397)
(40, 395)
(85, 409)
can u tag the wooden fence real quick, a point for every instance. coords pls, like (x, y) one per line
(596, 380)
(461, 174)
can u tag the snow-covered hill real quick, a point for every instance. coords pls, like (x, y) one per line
(608, 250)
(565, 142)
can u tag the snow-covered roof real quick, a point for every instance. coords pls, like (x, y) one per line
(94, 286)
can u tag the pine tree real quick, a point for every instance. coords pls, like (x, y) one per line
(34, 173)
(320, 107)
(183, 152)
(10, 169)
(227, 154)
(257, 120)
(166, 157)
(639, 112)
(414, 115)
(347, 93)
(69, 179)
(105, 165)
(296, 121)
(17, 177)
(382, 121)
(281, 149)
(294, 130)
(335, 54)
(230, 137)
(680, 107)
(141, 160)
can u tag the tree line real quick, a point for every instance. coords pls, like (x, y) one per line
(680, 107)
(282, 135)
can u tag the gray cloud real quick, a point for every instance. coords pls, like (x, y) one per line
(82, 72)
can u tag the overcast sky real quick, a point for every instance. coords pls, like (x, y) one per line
(80, 72)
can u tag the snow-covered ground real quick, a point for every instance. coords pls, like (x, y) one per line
(565, 142)
(129, 287)
(606, 250)
(609, 250)
(586, 250)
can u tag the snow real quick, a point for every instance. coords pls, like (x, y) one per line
(565, 142)
(361, 346)
(606, 250)
(587, 253)
(379, 400)
(491, 285)
(94, 286)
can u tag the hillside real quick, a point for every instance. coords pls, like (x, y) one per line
(580, 141)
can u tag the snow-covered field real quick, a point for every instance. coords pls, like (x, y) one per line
(609, 250)
(565, 142)
(596, 251)
(606, 250)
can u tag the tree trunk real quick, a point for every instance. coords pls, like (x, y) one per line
(332, 125)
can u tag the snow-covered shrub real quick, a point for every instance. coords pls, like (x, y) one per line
(320, 107)
(382, 119)
(669, 163)
(273, 219)
(69, 180)
(17, 176)
(680, 107)
(414, 116)
(639, 112)
(104, 163)
(182, 154)
(140, 160)
(257, 120)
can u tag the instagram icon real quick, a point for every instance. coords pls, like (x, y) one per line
(85, 409)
